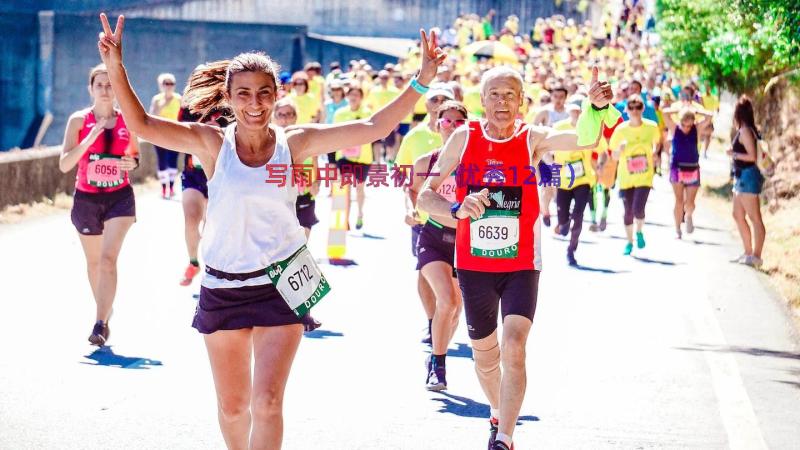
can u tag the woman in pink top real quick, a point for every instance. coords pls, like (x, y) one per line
(99, 143)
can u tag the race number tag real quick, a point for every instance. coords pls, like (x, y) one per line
(689, 176)
(577, 168)
(637, 164)
(299, 281)
(495, 234)
(352, 152)
(103, 170)
(448, 189)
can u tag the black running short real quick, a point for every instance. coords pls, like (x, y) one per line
(487, 292)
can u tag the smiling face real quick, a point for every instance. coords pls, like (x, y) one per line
(285, 115)
(449, 121)
(501, 98)
(252, 97)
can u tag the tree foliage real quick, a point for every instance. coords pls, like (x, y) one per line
(737, 44)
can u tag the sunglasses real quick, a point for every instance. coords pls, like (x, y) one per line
(437, 99)
(168, 83)
(635, 106)
(444, 122)
(285, 116)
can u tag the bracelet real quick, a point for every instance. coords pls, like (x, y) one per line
(422, 90)
(454, 210)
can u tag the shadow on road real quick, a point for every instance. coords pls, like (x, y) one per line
(466, 407)
(322, 334)
(105, 356)
(752, 351)
(656, 224)
(368, 236)
(695, 241)
(462, 351)
(597, 269)
(656, 261)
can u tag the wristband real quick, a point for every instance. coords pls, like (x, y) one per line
(454, 210)
(422, 90)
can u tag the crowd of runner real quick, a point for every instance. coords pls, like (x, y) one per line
(559, 112)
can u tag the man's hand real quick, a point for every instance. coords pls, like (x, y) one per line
(474, 205)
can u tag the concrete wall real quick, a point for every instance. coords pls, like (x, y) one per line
(153, 47)
(326, 52)
(18, 60)
(32, 175)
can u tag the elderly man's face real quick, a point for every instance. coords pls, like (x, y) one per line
(501, 98)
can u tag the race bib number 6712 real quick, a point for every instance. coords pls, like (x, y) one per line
(299, 281)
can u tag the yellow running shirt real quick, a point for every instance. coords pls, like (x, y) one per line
(361, 153)
(307, 107)
(580, 160)
(380, 97)
(636, 161)
(171, 109)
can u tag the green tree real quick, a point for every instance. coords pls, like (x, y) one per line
(736, 44)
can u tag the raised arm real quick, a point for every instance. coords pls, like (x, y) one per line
(187, 137)
(315, 139)
(448, 160)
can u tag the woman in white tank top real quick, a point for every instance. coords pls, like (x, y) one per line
(251, 228)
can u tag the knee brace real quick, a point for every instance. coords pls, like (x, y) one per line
(486, 361)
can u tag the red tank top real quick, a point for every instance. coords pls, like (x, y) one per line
(506, 238)
(98, 168)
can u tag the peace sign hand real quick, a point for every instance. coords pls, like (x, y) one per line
(110, 43)
(432, 57)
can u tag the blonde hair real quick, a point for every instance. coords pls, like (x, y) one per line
(686, 113)
(209, 83)
(165, 77)
(97, 70)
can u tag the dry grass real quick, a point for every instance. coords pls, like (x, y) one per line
(62, 202)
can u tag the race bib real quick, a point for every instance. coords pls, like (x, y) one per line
(299, 281)
(637, 164)
(103, 170)
(495, 234)
(689, 176)
(577, 168)
(448, 189)
(352, 152)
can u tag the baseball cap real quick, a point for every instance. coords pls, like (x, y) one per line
(442, 89)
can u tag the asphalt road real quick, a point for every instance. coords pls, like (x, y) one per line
(673, 347)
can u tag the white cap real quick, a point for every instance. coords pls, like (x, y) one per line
(442, 89)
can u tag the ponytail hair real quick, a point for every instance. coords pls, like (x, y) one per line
(209, 82)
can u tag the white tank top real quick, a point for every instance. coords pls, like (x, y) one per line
(250, 224)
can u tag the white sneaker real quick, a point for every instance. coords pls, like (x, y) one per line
(753, 261)
(739, 259)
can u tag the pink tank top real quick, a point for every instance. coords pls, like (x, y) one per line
(98, 169)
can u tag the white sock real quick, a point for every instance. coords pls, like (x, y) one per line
(172, 173)
(495, 413)
(505, 438)
(163, 177)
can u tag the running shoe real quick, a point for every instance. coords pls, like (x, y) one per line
(689, 224)
(571, 258)
(100, 333)
(164, 191)
(628, 249)
(546, 220)
(752, 261)
(500, 445)
(603, 224)
(639, 239)
(563, 230)
(171, 193)
(189, 274)
(436, 381)
(359, 223)
(310, 323)
(739, 259)
(426, 339)
(493, 427)
(593, 227)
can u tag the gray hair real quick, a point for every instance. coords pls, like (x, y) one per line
(500, 72)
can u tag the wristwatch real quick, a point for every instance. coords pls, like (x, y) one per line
(454, 209)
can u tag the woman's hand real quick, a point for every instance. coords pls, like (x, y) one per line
(97, 130)
(432, 57)
(110, 43)
(128, 163)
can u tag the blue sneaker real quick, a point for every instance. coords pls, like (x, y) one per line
(628, 249)
(100, 333)
(639, 239)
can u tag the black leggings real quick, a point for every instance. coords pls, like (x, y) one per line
(634, 200)
(564, 197)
